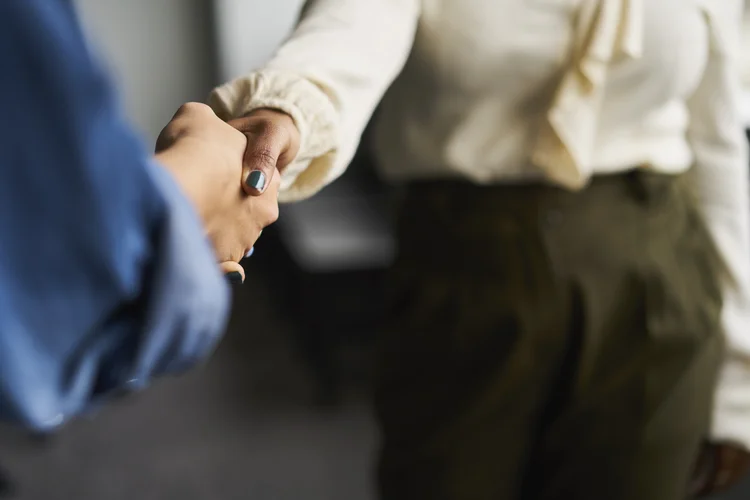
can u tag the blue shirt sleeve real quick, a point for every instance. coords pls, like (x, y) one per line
(106, 280)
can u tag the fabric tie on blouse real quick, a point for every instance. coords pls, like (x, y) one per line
(605, 31)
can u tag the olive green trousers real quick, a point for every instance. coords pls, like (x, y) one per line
(548, 345)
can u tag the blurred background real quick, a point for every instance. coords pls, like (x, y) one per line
(281, 411)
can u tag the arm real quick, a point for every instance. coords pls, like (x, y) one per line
(329, 77)
(106, 277)
(720, 178)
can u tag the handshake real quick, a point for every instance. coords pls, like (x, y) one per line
(231, 173)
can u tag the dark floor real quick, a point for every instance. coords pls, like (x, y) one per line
(240, 428)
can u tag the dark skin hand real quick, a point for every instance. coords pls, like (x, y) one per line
(205, 156)
(273, 141)
(720, 466)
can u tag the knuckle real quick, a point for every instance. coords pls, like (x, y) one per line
(234, 252)
(194, 107)
(263, 156)
(265, 127)
(266, 212)
(273, 131)
(273, 214)
(247, 240)
(235, 138)
(268, 131)
(165, 139)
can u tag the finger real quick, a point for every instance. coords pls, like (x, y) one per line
(725, 466)
(234, 245)
(259, 164)
(732, 466)
(233, 271)
(268, 145)
(703, 471)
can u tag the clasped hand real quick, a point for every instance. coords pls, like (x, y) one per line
(230, 172)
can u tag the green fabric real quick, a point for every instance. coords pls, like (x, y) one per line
(548, 345)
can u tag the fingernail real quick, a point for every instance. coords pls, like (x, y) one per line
(250, 252)
(235, 278)
(256, 180)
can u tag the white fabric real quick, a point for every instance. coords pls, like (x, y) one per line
(511, 90)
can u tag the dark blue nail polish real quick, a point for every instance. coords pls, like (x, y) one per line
(235, 278)
(256, 180)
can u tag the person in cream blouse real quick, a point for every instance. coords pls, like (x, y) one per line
(554, 103)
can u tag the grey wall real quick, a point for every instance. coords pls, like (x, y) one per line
(160, 51)
(164, 52)
(167, 52)
(250, 30)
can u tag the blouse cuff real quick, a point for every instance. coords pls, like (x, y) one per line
(312, 111)
(730, 418)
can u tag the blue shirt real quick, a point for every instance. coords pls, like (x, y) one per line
(106, 279)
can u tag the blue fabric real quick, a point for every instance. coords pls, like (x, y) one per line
(106, 279)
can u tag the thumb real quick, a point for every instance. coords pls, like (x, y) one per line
(233, 271)
(259, 164)
(272, 142)
(704, 471)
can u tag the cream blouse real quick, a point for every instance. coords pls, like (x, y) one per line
(514, 90)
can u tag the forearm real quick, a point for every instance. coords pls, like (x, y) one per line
(329, 77)
(186, 300)
(106, 279)
(113, 314)
(723, 188)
